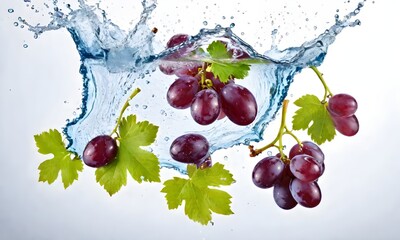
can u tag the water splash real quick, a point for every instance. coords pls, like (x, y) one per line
(114, 61)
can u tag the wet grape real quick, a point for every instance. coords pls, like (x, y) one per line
(347, 126)
(189, 148)
(308, 148)
(305, 168)
(342, 105)
(181, 93)
(267, 172)
(100, 151)
(307, 194)
(205, 107)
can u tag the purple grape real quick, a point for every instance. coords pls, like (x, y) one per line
(100, 151)
(347, 126)
(307, 194)
(282, 196)
(267, 172)
(239, 104)
(175, 40)
(305, 168)
(189, 148)
(342, 105)
(308, 148)
(181, 93)
(205, 107)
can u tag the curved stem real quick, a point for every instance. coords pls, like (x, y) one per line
(126, 105)
(320, 76)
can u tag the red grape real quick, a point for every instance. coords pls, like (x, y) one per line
(181, 93)
(239, 104)
(205, 107)
(308, 148)
(342, 105)
(282, 196)
(189, 148)
(267, 172)
(347, 126)
(305, 168)
(100, 151)
(307, 194)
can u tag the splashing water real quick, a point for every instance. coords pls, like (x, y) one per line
(113, 62)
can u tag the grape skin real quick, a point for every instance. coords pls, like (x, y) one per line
(342, 105)
(100, 151)
(347, 126)
(189, 148)
(307, 194)
(239, 104)
(308, 148)
(267, 172)
(181, 93)
(305, 168)
(205, 107)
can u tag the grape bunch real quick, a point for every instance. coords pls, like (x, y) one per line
(208, 98)
(342, 108)
(294, 178)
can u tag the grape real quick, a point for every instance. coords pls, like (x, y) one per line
(305, 168)
(189, 148)
(239, 104)
(307, 194)
(308, 148)
(181, 93)
(205, 107)
(342, 105)
(347, 126)
(267, 172)
(100, 151)
(188, 70)
(175, 40)
(282, 196)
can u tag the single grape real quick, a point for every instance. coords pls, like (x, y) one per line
(267, 172)
(181, 93)
(308, 148)
(177, 39)
(307, 194)
(347, 126)
(282, 196)
(205, 107)
(342, 105)
(188, 70)
(305, 168)
(189, 148)
(100, 151)
(239, 104)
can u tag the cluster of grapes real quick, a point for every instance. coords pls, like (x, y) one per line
(208, 98)
(342, 108)
(294, 178)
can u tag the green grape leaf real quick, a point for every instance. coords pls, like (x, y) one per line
(200, 199)
(142, 165)
(222, 67)
(51, 143)
(314, 116)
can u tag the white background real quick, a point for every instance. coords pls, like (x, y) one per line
(360, 184)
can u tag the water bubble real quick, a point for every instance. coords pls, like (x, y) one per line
(16, 24)
(205, 23)
(25, 45)
(10, 10)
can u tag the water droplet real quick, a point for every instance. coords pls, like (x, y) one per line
(232, 25)
(205, 23)
(22, 26)
(136, 105)
(16, 24)
(166, 139)
(225, 158)
(10, 10)
(232, 17)
(223, 17)
(25, 45)
(269, 153)
(144, 106)
(242, 33)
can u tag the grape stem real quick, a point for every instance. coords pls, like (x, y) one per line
(328, 92)
(282, 131)
(126, 105)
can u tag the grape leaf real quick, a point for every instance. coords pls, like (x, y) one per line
(224, 69)
(141, 164)
(314, 116)
(200, 200)
(51, 143)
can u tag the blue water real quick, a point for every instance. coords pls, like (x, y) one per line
(114, 62)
